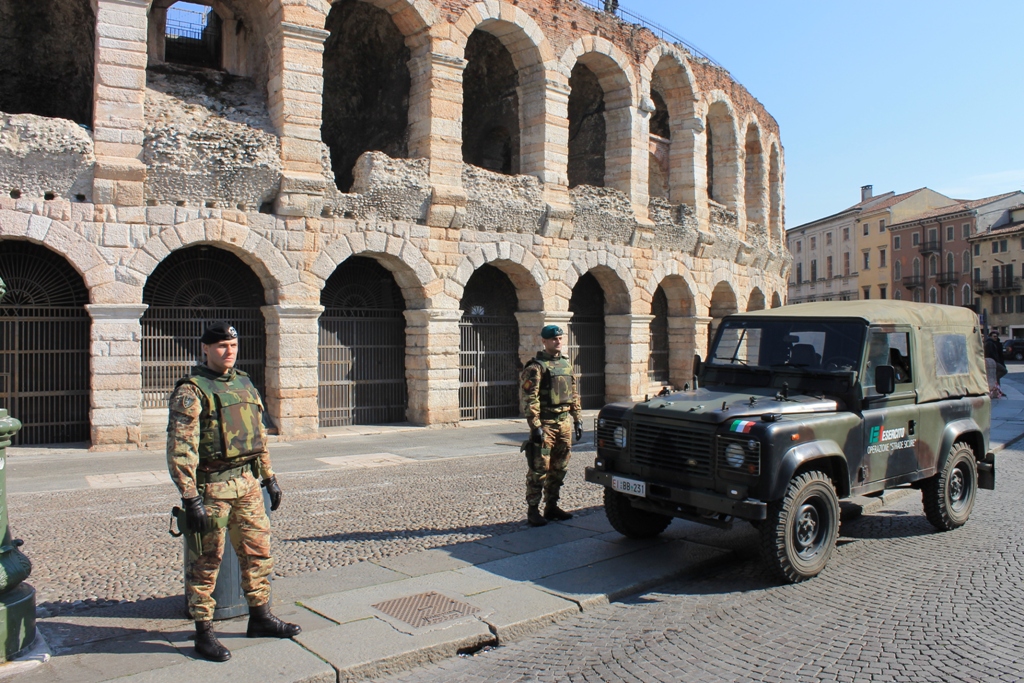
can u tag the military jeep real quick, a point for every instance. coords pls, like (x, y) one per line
(796, 408)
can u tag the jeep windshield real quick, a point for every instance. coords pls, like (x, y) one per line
(798, 344)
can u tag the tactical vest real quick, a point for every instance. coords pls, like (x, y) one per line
(555, 383)
(229, 425)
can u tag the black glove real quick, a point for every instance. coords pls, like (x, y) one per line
(275, 492)
(537, 435)
(195, 515)
(577, 430)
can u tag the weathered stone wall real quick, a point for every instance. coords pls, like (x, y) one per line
(44, 157)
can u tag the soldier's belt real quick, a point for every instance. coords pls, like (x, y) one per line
(554, 414)
(223, 475)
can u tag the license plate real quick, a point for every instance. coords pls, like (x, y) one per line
(630, 486)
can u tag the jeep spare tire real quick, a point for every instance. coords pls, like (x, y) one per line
(800, 533)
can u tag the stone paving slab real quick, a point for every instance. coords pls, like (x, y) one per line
(515, 612)
(548, 561)
(442, 559)
(371, 647)
(335, 580)
(532, 539)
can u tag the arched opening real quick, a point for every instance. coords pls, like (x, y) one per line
(756, 302)
(775, 193)
(490, 106)
(722, 164)
(587, 128)
(660, 143)
(898, 295)
(361, 349)
(586, 342)
(950, 265)
(776, 300)
(489, 347)
(723, 303)
(366, 87)
(966, 301)
(917, 295)
(754, 185)
(933, 296)
(897, 271)
(950, 296)
(187, 291)
(658, 353)
(47, 52)
(966, 261)
(917, 268)
(192, 35)
(44, 345)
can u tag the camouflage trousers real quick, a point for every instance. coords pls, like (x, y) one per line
(240, 500)
(547, 470)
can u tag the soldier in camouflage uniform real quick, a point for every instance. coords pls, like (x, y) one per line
(216, 447)
(550, 399)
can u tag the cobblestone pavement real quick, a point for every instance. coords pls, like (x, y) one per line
(94, 547)
(899, 602)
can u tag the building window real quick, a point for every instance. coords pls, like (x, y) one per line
(799, 273)
(896, 242)
(967, 261)
(917, 267)
(881, 228)
(867, 228)
(898, 295)
(933, 266)
(915, 239)
(977, 248)
(967, 230)
(933, 234)
(995, 247)
(881, 259)
(867, 292)
(950, 267)
(828, 267)
(867, 260)
(881, 291)
(846, 264)
(933, 296)
(799, 246)
(828, 238)
(1002, 245)
(814, 243)
(977, 274)
(950, 296)
(814, 270)
(846, 235)
(897, 271)
(966, 294)
(917, 295)
(949, 233)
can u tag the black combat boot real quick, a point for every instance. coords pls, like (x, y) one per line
(555, 513)
(207, 645)
(264, 624)
(534, 517)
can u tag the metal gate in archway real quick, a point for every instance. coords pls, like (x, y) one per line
(44, 345)
(361, 349)
(489, 362)
(657, 361)
(585, 345)
(190, 289)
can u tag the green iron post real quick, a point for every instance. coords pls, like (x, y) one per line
(17, 599)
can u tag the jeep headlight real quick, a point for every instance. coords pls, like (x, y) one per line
(734, 455)
(619, 437)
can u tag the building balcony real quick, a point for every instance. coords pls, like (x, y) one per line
(912, 281)
(947, 278)
(997, 285)
(930, 246)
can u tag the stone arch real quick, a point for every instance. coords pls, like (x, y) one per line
(83, 255)
(723, 302)
(523, 268)
(775, 192)
(280, 281)
(755, 182)
(606, 63)
(612, 274)
(47, 58)
(756, 300)
(679, 286)
(667, 71)
(414, 275)
(776, 300)
(723, 153)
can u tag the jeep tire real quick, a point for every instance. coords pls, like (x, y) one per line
(800, 533)
(629, 521)
(948, 497)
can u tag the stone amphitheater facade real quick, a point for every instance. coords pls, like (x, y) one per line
(237, 159)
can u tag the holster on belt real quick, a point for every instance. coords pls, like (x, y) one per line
(531, 450)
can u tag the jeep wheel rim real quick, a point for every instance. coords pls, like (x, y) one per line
(958, 488)
(808, 530)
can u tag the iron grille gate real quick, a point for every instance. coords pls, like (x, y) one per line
(658, 360)
(362, 367)
(170, 346)
(488, 367)
(44, 372)
(586, 349)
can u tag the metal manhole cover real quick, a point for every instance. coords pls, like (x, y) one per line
(425, 609)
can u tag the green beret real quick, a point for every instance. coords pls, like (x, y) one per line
(551, 331)
(218, 332)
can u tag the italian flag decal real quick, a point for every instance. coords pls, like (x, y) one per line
(742, 426)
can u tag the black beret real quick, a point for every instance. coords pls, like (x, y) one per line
(218, 332)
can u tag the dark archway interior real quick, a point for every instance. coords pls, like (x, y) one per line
(366, 87)
(657, 363)
(587, 297)
(586, 343)
(46, 58)
(490, 293)
(587, 136)
(660, 117)
(658, 168)
(362, 283)
(203, 277)
(489, 362)
(709, 161)
(490, 109)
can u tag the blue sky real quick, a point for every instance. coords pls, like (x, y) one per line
(897, 95)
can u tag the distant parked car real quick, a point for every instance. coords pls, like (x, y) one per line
(1014, 348)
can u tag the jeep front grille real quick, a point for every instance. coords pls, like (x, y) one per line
(685, 449)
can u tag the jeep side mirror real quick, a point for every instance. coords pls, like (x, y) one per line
(885, 379)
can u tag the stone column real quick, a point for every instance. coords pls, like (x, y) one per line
(627, 339)
(115, 363)
(292, 381)
(435, 128)
(682, 346)
(688, 177)
(544, 114)
(703, 332)
(432, 365)
(296, 103)
(120, 93)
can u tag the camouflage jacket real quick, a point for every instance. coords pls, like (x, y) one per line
(199, 436)
(548, 389)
